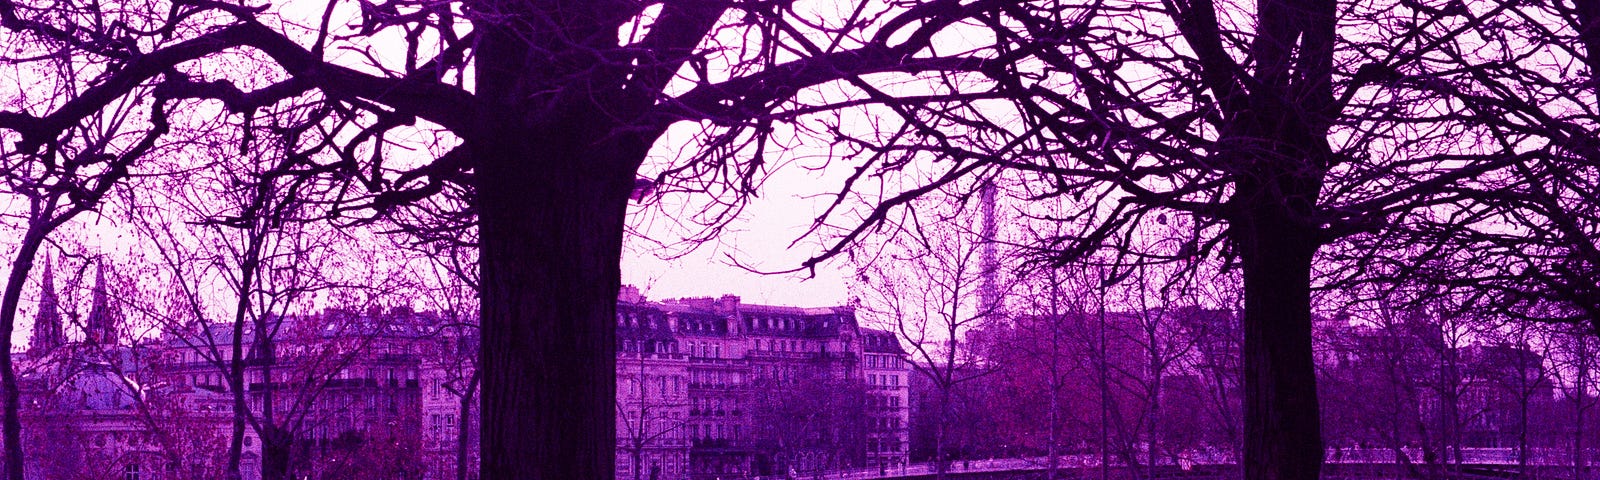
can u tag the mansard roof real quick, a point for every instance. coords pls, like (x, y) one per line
(641, 320)
(880, 341)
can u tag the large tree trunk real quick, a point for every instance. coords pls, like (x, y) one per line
(554, 149)
(1283, 438)
(551, 222)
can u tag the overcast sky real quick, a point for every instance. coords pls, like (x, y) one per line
(759, 238)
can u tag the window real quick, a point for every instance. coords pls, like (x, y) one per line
(130, 472)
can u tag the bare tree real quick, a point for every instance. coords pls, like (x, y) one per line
(550, 109)
(925, 287)
(443, 235)
(1572, 351)
(1518, 379)
(1154, 301)
(1039, 342)
(1273, 125)
(1282, 128)
(812, 419)
(652, 409)
(57, 183)
(456, 352)
(234, 228)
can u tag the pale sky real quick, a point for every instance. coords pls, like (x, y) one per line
(707, 273)
(759, 238)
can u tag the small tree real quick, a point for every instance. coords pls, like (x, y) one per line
(926, 286)
(651, 402)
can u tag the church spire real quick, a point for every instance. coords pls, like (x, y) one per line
(103, 317)
(47, 324)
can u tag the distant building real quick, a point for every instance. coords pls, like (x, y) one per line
(889, 382)
(706, 389)
(95, 407)
(448, 362)
(1418, 381)
(333, 393)
(713, 388)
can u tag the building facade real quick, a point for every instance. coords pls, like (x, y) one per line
(715, 388)
(706, 389)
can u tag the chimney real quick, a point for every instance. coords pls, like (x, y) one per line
(727, 304)
(698, 303)
(630, 294)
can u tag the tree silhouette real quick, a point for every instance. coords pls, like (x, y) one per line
(542, 110)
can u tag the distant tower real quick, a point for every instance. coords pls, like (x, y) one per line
(103, 317)
(988, 291)
(47, 324)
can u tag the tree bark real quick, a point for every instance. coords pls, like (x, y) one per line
(1283, 437)
(249, 266)
(551, 222)
(277, 448)
(554, 147)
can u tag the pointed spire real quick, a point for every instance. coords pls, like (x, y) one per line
(103, 317)
(47, 324)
